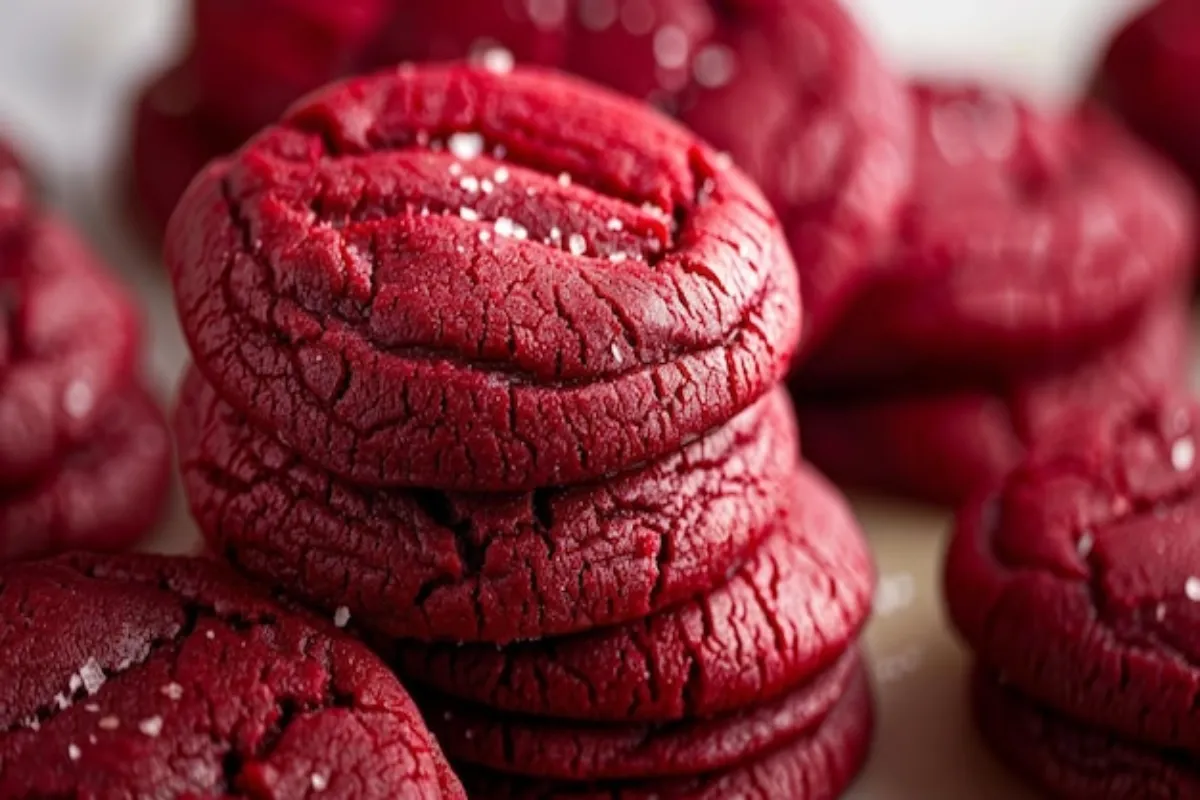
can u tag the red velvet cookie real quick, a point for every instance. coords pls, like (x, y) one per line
(455, 279)
(1079, 580)
(415, 563)
(103, 495)
(1071, 761)
(943, 443)
(1028, 235)
(788, 613)
(171, 142)
(72, 336)
(146, 676)
(819, 765)
(1151, 77)
(580, 752)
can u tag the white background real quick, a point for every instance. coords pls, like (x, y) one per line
(69, 67)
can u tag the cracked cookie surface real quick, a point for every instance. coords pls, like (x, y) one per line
(450, 278)
(104, 494)
(414, 563)
(1027, 234)
(790, 611)
(819, 765)
(71, 336)
(149, 676)
(1079, 579)
(583, 752)
(943, 443)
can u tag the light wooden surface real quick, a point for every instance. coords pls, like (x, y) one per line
(68, 66)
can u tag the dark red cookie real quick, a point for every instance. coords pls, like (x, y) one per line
(1071, 761)
(103, 495)
(942, 444)
(72, 339)
(414, 563)
(1028, 236)
(171, 142)
(373, 282)
(1151, 77)
(554, 750)
(788, 613)
(817, 766)
(142, 676)
(1079, 580)
(253, 58)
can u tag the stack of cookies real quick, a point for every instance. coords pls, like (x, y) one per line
(486, 365)
(1041, 263)
(84, 451)
(1077, 584)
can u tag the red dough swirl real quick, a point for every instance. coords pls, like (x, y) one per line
(456, 279)
(155, 677)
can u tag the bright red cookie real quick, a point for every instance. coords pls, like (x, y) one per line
(171, 142)
(141, 676)
(104, 494)
(943, 443)
(582, 752)
(71, 339)
(1071, 761)
(1028, 235)
(1079, 580)
(455, 279)
(785, 615)
(416, 563)
(820, 765)
(1151, 75)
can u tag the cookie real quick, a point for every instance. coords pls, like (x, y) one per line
(943, 443)
(820, 765)
(102, 495)
(1029, 237)
(171, 141)
(142, 676)
(72, 341)
(253, 58)
(1071, 761)
(455, 279)
(1149, 75)
(552, 750)
(415, 563)
(1078, 579)
(786, 614)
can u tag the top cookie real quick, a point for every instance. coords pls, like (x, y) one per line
(141, 676)
(1079, 581)
(1028, 236)
(459, 279)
